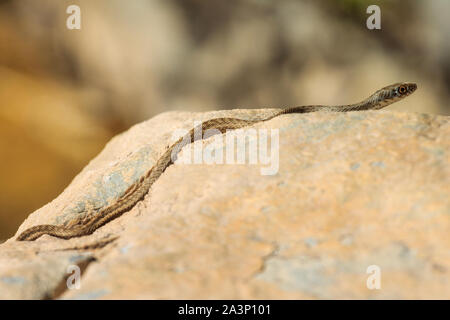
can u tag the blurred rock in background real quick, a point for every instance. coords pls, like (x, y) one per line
(65, 93)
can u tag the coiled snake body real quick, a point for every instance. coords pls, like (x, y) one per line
(137, 191)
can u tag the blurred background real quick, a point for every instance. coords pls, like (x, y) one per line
(65, 93)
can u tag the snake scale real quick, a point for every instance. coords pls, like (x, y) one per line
(136, 192)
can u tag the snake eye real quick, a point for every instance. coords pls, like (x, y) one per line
(402, 90)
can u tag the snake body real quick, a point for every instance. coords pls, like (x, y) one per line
(136, 192)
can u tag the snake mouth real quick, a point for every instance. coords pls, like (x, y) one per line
(410, 87)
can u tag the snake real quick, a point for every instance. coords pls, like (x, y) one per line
(86, 225)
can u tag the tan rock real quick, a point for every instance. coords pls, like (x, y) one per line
(353, 190)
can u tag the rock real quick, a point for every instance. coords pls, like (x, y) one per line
(34, 272)
(354, 196)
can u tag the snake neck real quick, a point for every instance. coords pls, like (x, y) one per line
(378, 100)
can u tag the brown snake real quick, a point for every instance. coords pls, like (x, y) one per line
(137, 191)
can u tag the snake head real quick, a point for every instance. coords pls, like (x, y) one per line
(393, 93)
(403, 89)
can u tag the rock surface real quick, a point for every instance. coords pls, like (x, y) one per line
(354, 192)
